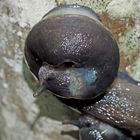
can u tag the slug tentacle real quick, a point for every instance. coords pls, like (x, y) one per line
(40, 90)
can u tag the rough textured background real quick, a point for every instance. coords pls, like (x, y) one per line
(20, 114)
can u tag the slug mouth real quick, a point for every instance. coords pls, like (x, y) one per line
(64, 66)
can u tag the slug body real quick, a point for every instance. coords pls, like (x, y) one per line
(93, 129)
(120, 106)
(76, 48)
(73, 55)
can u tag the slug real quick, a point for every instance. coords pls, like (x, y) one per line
(74, 56)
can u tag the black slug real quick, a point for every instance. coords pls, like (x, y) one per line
(73, 55)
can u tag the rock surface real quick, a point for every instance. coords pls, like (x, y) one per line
(18, 109)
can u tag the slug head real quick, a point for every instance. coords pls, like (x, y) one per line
(67, 81)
